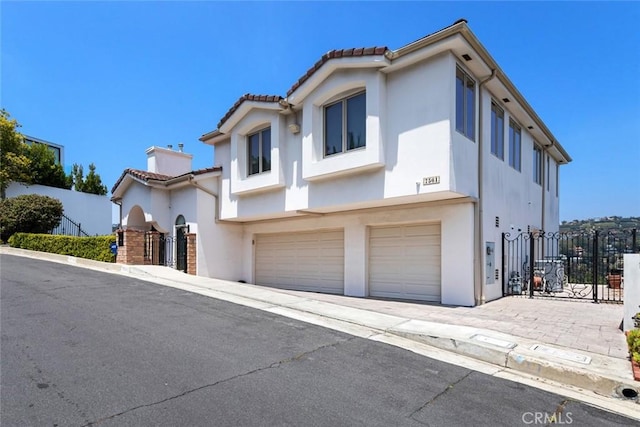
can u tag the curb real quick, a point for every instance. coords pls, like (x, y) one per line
(505, 351)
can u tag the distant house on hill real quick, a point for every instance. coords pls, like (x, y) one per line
(90, 211)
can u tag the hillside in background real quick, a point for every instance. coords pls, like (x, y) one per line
(604, 223)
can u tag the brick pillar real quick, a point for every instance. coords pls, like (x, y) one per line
(191, 253)
(132, 251)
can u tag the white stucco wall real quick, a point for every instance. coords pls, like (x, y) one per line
(91, 211)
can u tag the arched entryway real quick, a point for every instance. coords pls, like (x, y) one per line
(181, 243)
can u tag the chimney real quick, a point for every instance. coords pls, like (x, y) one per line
(166, 161)
(180, 146)
(169, 146)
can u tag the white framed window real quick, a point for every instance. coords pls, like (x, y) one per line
(515, 145)
(548, 172)
(259, 152)
(497, 131)
(537, 164)
(465, 104)
(345, 124)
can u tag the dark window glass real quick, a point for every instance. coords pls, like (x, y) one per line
(266, 150)
(537, 165)
(333, 129)
(254, 153)
(501, 136)
(459, 101)
(514, 146)
(356, 121)
(470, 101)
(497, 131)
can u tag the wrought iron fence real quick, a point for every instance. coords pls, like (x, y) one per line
(584, 265)
(164, 250)
(68, 227)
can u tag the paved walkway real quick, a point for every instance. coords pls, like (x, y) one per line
(576, 344)
(579, 325)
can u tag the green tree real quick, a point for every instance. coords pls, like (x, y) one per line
(14, 164)
(29, 213)
(44, 169)
(92, 183)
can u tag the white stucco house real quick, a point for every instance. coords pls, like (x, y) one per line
(385, 173)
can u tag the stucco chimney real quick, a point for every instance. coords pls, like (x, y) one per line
(166, 161)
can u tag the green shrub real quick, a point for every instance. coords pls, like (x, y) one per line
(29, 213)
(97, 248)
(633, 341)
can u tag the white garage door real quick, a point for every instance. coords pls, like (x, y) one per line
(310, 261)
(404, 262)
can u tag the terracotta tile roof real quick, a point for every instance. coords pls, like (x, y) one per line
(147, 176)
(248, 97)
(342, 53)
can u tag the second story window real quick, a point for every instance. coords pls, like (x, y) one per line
(497, 131)
(515, 145)
(465, 104)
(345, 124)
(537, 165)
(259, 151)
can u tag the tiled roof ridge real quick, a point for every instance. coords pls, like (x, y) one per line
(248, 97)
(336, 53)
(146, 175)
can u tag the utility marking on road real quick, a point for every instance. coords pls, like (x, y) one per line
(494, 341)
(561, 354)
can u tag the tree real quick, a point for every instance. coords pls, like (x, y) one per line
(44, 169)
(30, 213)
(14, 163)
(91, 184)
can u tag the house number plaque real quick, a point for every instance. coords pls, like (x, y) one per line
(430, 180)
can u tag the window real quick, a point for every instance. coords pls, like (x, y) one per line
(497, 131)
(537, 165)
(345, 124)
(548, 168)
(465, 104)
(515, 135)
(259, 148)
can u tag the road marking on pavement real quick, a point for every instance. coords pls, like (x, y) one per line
(561, 354)
(494, 341)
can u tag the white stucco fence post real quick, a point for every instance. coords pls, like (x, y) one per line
(631, 289)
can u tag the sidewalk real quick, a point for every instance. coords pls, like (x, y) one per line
(573, 343)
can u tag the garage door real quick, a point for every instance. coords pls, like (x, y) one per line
(404, 262)
(310, 261)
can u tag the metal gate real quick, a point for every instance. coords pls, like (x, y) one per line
(579, 265)
(170, 251)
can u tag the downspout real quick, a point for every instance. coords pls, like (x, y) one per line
(216, 216)
(479, 282)
(119, 203)
(544, 185)
(545, 174)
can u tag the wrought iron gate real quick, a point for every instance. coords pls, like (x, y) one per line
(170, 251)
(583, 265)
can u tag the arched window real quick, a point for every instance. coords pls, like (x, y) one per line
(180, 220)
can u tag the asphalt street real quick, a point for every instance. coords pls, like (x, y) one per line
(84, 348)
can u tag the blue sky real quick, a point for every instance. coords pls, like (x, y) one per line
(109, 79)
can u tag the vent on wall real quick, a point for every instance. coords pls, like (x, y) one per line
(497, 221)
(497, 274)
